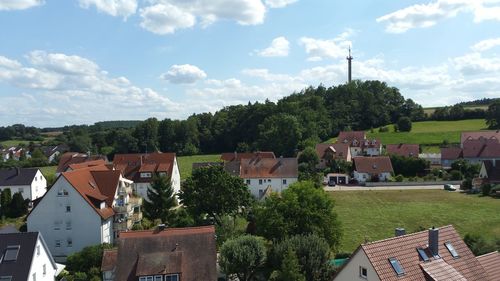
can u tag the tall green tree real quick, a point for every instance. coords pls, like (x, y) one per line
(147, 135)
(290, 269)
(404, 124)
(493, 115)
(280, 133)
(212, 191)
(5, 200)
(243, 256)
(308, 160)
(18, 206)
(161, 200)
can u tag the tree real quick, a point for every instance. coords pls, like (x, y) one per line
(5, 200)
(290, 269)
(408, 166)
(147, 135)
(301, 209)
(243, 256)
(493, 115)
(18, 206)
(161, 200)
(212, 191)
(280, 133)
(404, 124)
(308, 160)
(88, 257)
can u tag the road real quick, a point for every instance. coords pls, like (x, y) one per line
(399, 187)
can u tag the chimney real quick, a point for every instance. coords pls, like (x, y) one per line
(434, 241)
(400, 232)
(18, 171)
(161, 227)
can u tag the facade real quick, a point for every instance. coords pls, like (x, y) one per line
(359, 144)
(141, 168)
(261, 174)
(163, 254)
(25, 256)
(436, 254)
(372, 169)
(433, 158)
(450, 155)
(403, 149)
(30, 182)
(85, 207)
(332, 151)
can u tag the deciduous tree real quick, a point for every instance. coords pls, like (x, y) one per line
(243, 256)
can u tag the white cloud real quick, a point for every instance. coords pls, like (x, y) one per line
(427, 15)
(475, 63)
(19, 4)
(486, 44)
(62, 63)
(184, 74)
(279, 3)
(320, 49)
(165, 18)
(122, 8)
(280, 47)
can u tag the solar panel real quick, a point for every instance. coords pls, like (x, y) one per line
(423, 255)
(452, 250)
(11, 253)
(396, 266)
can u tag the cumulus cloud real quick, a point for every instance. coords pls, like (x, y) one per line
(279, 3)
(475, 63)
(427, 15)
(320, 49)
(184, 74)
(121, 8)
(19, 4)
(280, 47)
(487, 44)
(166, 18)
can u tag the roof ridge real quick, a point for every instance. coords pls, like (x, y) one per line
(487, 254)
(406, 235)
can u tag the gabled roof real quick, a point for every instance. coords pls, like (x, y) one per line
(337, 150)
(349, 137)
(17, 176)
(237, 156)
(190, 251)
(491, 264)
(86, 164)
(451, 153)
(109, 257)
(132, 164)
(481, 149)
(69, 158)
(492, 170)
(495, 135)
(404, 249)
(403, 149)
(373, 165)
(269, 168)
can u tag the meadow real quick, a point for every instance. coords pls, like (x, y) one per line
(186, 162)
(373, 215)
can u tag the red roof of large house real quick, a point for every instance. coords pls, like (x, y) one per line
(132, 164)
(491, 263)
(338, 150)
(350, 136)
(72, 158)
(494, 135)
(269, 168)
(403, 149)
(237, 156)
(451, 153)
(373, 165)
(481, 149)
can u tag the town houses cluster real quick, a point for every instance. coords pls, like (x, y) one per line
(95, 201)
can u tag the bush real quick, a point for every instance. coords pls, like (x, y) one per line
(399, 178)
(455, 175)
(383, 129)
(87, 258)
(467, 184)
(486, 189)
(404, 124)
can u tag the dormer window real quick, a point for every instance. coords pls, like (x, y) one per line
(146, 175)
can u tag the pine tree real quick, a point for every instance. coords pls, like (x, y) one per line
(161, 200)
(18, 207)
(5, 200)
(290, 269)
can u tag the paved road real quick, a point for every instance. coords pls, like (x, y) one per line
(402, 187)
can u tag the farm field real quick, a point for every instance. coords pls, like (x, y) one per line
(186, 162)
(430, 110)
(375, 214)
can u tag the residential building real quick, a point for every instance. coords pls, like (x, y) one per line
(450, 155)
(332, 151)
(263, 173)
(140, 168)
(479, 135)
(25, 256)
(377, 168)
(490, 172)
(433, 158)
(14, 153)
(163, 254)
(52, 152)
(238, 156)
(71, 158)
(30, 182)
(359, 144)
(434, 254)
(474, 151)
(491, 264)
(403, 149)
(85, 207)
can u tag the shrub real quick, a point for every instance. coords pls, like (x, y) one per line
(383, 129)
(455, 175)
(399, 178)
(404, 124)
(486, 189)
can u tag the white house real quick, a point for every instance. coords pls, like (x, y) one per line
(30, 182)
(25, 256)
(359, 144)
(372, 168)
(261, 174)
(140, 168)
(85, 207)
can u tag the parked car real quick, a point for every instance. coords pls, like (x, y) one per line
(449, 187)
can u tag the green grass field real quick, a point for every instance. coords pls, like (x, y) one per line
(430, 110)
(186, 162)
(9, 143)
(375, 214)
(48, 170)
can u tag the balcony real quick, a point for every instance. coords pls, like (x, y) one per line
(123, 209)
(122, 225)
(135, 201)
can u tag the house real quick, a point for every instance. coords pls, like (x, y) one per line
(25, 256)
(479, 135)
(403, 149)
(433, 158)
(332, 151)
(85, 207)
(450, 155)
(30, 182)
(71, 158)
(238, 156)
(52, 152)
(140, 168)
(490, 172)
(163, 254)
(336, 178)
(359, 144)
(491, 264)
(435, 254)
(14, 153)
(262, 173)
(372, 168)
(474, 151)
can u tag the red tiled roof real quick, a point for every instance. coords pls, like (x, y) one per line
(70, 158)
(109, 257)
(439, 270)
(338, 150)
(481, 149)
(451, 153)
(237, 156)
(132, 164)
(403, 149)
(349, 137)
(87, 164)
(491, 264)
(373, 165)
(404, 249)
(269, 168)
(479, 134)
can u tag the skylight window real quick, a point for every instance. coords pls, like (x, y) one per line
(452, 250)
(423, 255)
(397, 266)
(11, 253)
(5, 278)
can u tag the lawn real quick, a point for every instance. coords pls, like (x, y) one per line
(10, 143)
(186, 162)
(48, 170)
(375, 214)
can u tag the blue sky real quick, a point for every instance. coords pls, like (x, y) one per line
(82, 61)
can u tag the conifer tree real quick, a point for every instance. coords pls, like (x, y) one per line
(161, 200)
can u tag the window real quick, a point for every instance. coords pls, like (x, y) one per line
(397, 266)
(68, 209)
(423, 255)
(142, 278)
(284, 181)
(248, 181)
(44, 269)
(58, 243)
(158, 278)
(145, 175)
(363, 272)
(37, 250)
(172, 277)
(57, 225)
(11, 253)
(68, 225)
(5, 278)
(69, 242)
(260, 182)
(452, 250)
(62, 192)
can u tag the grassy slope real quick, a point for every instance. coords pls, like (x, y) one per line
(375, 214)
(186, 162)
(48, 170)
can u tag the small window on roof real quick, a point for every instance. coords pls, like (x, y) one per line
(11, 253)
(396, 265)
(5, 278)
(423, 255)
(452, 250)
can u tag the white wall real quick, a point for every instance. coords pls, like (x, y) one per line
(40, 259)
(276, 184)
(350, 272)
(373, 151)
(176, 177)
(38, 185)
(364, 177)
(85, 222)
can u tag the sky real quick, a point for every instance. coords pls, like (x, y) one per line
(66, 62)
